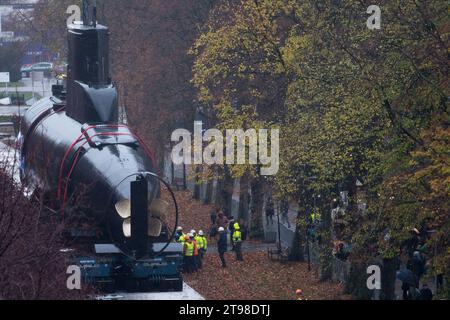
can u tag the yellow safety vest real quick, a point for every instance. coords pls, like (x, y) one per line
(205, 242)
(199, 242)
(188, 249)
(181, 238)
(237, 236)
(315, 216)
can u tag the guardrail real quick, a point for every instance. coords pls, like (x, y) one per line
(340, 269)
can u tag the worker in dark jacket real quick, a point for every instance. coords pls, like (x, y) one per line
(222, 245)
(417, 266)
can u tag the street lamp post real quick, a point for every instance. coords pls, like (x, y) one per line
(307, 247)
(309, 225)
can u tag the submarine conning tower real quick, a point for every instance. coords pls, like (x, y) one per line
(91, 97)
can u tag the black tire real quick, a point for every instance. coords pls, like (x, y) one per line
(178, 287)
(107, 287)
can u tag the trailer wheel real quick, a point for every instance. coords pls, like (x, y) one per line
(178, 287)
(107, 286)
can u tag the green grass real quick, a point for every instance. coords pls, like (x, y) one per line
(27, 95)
(11, 85)
(5, 118)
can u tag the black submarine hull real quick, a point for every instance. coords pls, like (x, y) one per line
(82, 167)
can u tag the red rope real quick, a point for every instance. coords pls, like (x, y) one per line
(79, 139)
(146, 150)
(77, 156)
(66, 188)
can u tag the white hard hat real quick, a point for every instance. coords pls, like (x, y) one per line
(200, 233)
(193, 231)
(190, 235)
(179, 228)
(221, 229)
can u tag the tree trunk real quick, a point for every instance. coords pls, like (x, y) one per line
(298, 247)
(256, 216)
(197, 184)
(244, 199)
(225, 192)
(209, 191)
(388, 275)
(298, 251)
(326, 255)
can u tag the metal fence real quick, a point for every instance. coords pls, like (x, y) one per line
(340, 269)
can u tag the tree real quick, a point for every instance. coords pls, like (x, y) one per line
(356, 103)
(374, 102)
(240, 78)
(46, 24)
(11, 59)
(150, 65)
(32, 266)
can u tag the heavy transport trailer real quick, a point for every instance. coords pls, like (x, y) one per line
(113, 271)
(98, 175)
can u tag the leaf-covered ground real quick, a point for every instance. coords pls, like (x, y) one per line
(257, 278)
(193, 214)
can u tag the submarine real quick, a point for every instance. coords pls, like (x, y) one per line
(98, 176)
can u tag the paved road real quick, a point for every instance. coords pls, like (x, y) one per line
(10, 110)
(44, 89)
(246, 247)
(187, 294)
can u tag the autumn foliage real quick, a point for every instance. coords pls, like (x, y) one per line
(31, 264)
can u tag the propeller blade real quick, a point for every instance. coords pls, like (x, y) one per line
(123, 208)
(126, 228)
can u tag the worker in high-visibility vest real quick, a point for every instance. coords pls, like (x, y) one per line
(204, 240)
(196, 256)
(199, 242)
(180, 235)
(315, 217)
(202, 246)
(237, 240)
(188, 254)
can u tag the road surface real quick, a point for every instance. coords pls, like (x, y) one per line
(187, 294)
(43, 88)
(10, 110)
